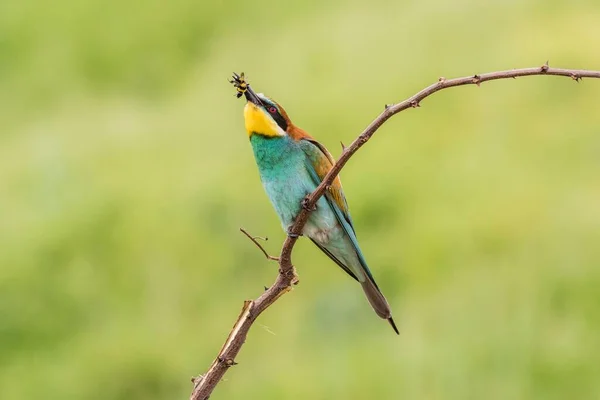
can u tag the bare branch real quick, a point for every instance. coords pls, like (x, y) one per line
(253, 238)
(205, 384)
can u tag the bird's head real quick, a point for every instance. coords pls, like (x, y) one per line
(262, 115)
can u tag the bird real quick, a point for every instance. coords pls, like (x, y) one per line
(291, 164)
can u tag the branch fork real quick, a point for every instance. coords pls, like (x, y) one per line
(255, 239)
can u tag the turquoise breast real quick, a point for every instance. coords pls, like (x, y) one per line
(281, 165)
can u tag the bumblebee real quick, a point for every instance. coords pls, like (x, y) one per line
(239, 82)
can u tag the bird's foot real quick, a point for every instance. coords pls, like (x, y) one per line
(292, 234)
(306, 204)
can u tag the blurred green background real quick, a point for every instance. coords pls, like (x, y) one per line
(125, 173)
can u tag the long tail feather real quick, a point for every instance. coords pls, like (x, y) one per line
(393, 324)
(378, 301)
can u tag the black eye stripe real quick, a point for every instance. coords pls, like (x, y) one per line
(280, 121)
(274, 112)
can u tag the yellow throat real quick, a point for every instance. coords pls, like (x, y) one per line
(257, 121)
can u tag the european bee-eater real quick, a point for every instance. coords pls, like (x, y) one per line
(291, 164)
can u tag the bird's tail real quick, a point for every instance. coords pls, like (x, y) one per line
(378, 301)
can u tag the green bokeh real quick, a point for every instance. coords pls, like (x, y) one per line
(125, 173)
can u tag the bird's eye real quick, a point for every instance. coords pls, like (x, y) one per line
(272, 110)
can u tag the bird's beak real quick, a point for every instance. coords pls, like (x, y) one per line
(252, 97)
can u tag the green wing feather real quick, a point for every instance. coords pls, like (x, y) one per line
(318, 163)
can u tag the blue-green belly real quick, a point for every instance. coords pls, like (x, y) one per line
(282, 169)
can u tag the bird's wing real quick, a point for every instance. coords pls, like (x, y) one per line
(318, 164)
(321, 162)
(335, 259)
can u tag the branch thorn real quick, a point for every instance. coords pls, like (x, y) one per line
(227, 361)
(414, 104)
(441, 79)
(545, 67)
(343, 147)
(476, 79)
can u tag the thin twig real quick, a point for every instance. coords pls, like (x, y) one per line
(287, 274)
(253, 238)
